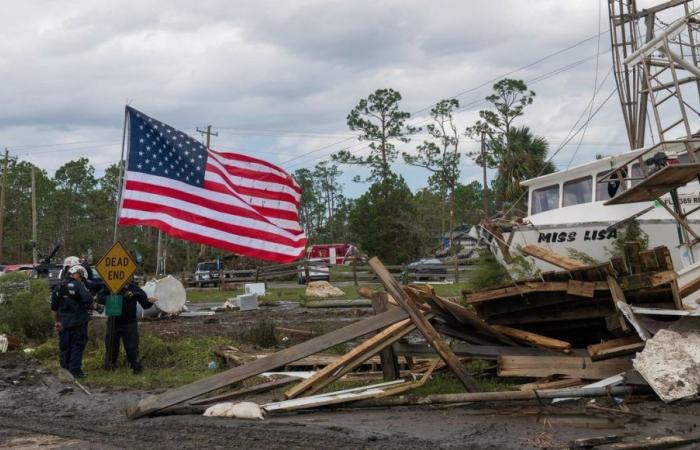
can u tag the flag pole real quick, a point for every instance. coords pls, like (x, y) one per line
(121, 179)
(112, 344)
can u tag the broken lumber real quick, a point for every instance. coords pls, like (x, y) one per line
(468, 317)
(503, 396)
(534, 339)
(258, 388)
(550, 383)
(171, 397)
(652, 443)
(571, 366)
(390, 364)
(352, 359)
(331, 398)
(581, 288)
(615, 347)
(423, 325)
(552, 257)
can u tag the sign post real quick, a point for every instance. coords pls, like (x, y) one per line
(116, 268)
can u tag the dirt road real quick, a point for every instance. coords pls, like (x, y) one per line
(37, 411)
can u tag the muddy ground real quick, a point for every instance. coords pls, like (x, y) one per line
(39, 411)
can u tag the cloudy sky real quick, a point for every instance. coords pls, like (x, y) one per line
(277, 79)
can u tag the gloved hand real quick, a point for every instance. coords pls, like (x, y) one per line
(98, 307)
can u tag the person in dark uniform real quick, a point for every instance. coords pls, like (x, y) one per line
(70, 307)
(126, 326)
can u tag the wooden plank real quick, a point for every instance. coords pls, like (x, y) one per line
(467, 317)
(547, 383)
(615, 347)
(351, 359)
(648, 260)
(581, 288)
(262, 387)
(390, 364)
(572, 366)
(663, 258)
(664, 277)
(465, 350)
(632, 249)
(618, 263)
(689, 288)
(532, 338)
(618, 296)
(675, 292)
(653, 443)
(426, 329)
(551, 257)
(171, 397)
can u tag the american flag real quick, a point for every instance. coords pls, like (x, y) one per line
(226, 200)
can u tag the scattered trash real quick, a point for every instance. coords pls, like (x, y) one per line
(243, 302)
(212, 365)
(171, 297)
(4, 343)
(255, 288)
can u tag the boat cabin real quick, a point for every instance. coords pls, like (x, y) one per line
(591, 182)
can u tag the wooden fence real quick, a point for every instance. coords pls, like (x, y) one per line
(357, 273)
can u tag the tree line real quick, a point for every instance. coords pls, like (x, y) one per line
(76, 209)
(390, 221)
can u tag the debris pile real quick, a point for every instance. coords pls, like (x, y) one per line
(564, 329)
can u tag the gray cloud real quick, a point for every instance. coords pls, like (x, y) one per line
(291, 66)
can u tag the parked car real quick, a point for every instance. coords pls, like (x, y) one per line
(318, 271)
(426, 269)
(207, 273)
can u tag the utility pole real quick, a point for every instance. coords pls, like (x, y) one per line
(158, 255)
(2, 200)
(484, 192)
(208, 134)
(35, 257)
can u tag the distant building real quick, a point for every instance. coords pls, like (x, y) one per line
(461, 237)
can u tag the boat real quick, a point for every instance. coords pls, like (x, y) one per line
(580, 212)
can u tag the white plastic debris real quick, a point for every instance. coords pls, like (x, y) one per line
(255, 288)
(4, 343)
(170, 293)
(243, 302)
(242, 410)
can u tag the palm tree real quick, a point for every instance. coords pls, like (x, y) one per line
(521, 155)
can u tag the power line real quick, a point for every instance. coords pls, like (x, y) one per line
(470, 105)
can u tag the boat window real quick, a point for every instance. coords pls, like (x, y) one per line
(544, 199)
(602, 191)
(578, 191)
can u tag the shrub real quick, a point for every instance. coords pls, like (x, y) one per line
(488, 272)
(26, 308)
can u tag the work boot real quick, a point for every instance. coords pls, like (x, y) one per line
(77, 373)
(137, 368)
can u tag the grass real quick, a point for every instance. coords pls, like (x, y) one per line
(295, 294)
(168, 363)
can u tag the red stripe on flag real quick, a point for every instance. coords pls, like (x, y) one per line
(226, 227)
(198, 238)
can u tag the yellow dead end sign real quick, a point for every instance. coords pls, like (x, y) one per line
(116, 267)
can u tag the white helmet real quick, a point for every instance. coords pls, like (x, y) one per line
(78, 269)
(71, 261)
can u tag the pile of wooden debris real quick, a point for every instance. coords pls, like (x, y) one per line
(563, 329)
